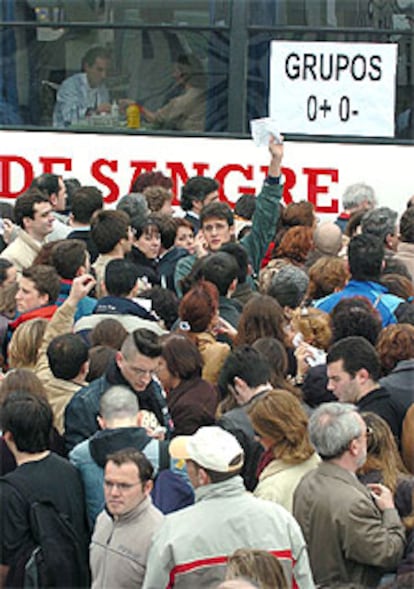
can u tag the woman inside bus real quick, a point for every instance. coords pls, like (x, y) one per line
(187, 111)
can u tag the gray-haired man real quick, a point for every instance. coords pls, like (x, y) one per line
(354, 533)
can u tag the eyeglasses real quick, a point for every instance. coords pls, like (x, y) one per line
(122, 487)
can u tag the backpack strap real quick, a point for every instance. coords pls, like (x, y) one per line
(163, 455)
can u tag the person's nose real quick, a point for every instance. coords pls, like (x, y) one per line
(114, 491)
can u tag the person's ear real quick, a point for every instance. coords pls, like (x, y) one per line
(119, 359)
(101, 422)
(353, 448)
(148, 486)
(202, 477)
(44, 299)
(239, 385)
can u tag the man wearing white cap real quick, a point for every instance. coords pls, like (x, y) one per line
(192, 546)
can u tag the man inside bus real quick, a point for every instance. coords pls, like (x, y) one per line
(84, 93)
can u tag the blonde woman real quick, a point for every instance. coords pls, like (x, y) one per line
(259, 566)
(25, 343)
(281, 425)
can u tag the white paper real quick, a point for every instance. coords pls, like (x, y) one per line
(262, 129)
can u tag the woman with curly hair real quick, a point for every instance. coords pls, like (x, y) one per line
(281, 425)
(294, 246)
(327, 275)
(395, 347)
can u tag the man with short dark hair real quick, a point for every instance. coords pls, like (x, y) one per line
(353, 369)
(112, 235)
(221, 269)
(85, 202)
(123, 533)
(33, 214)
(353, 531)
(26, 421)
(244, 290)
(84, 93)
(37, 294)
(245, 375)
(366, 259)
(62, 363)
(120, 303)
(134, 366)
(192, 546)
(198, 192)
(217, 221)
(54, 188)
(70, 258)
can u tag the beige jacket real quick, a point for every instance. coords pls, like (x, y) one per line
(119, 547)
(59, 392)
(278, 480)
(22, 251)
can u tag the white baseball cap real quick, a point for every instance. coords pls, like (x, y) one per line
(211, 447)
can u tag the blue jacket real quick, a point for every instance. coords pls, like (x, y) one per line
(89, 457)
(83, 408)
(85, 306)
(378, 295)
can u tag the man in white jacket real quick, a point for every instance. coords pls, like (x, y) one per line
(192, 546)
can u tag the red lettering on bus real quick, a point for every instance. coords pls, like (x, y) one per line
(48, 163)
(96, 166)
(314, 188)
(246, 171)
(290, 181)
(6, 162)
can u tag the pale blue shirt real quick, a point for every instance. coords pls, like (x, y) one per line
(75, 97)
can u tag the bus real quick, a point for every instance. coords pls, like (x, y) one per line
(225, 46)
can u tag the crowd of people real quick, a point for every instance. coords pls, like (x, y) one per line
(206, 397)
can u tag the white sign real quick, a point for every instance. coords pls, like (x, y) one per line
(317, 172)
(333, 88)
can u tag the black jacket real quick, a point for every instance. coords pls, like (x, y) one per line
(145, 266)
(381, 402)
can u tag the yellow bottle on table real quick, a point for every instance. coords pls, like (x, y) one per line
(133, 115)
